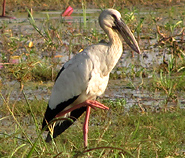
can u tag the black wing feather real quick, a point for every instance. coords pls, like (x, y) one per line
(59, 72)
(51, 113)
(60, 128)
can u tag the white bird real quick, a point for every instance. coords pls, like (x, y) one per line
(86, 75)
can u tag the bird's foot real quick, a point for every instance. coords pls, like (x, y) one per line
(7, 17)
(92, 103)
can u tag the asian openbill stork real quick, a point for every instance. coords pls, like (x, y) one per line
(86, 75)
(3, 11)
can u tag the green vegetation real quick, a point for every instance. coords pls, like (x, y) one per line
(119, 132)
(30, 61)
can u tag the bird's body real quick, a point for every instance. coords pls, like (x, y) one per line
(86, 76)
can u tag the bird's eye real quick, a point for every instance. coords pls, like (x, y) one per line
(114, 16)
(115, 22)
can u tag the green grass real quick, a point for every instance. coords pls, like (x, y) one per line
(114, 133)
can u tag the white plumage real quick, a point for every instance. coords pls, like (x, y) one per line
(86, 75)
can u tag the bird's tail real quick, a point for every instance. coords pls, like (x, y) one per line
(61, 127)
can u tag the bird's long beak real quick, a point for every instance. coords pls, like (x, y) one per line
(127, 35)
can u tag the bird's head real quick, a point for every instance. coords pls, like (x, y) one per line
(111, 19)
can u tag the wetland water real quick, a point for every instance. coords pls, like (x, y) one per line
(151, 57)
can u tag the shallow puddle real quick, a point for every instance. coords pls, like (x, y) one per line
(117, 89)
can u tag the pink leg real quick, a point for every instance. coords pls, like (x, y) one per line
(91, 103)
(85, 127)
(88, 104)
(4, 5)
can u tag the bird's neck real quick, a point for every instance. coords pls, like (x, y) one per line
(115, 49)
